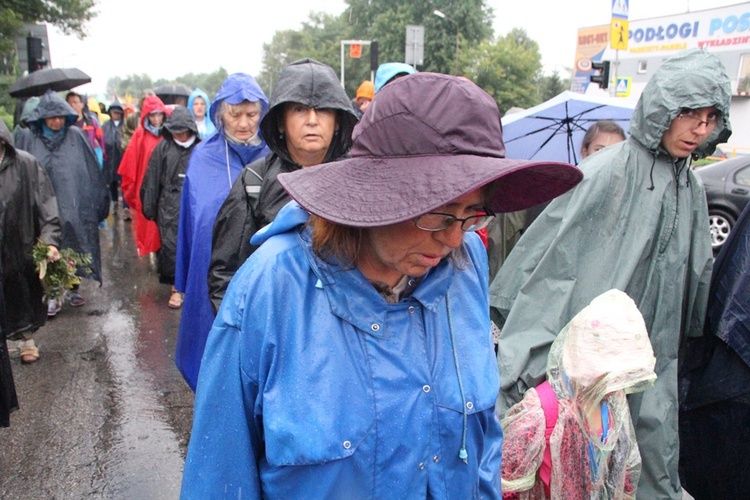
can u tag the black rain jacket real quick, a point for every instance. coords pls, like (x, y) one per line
(28, 211)
(256, 196)
(162, 187)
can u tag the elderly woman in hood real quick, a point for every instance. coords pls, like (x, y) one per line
(162, 187)
(310, 121)
(637, 222)
(351, 356)
(82, 195)
(214, 165)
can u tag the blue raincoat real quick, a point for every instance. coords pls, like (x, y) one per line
(318, 388)
(213, 167)
(210, 127)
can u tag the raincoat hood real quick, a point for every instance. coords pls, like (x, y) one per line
(315, 85)
(7, 138)
(28, 108)
(193, 96)
(237, 88)
(51, 104)
(691, 79)
(152, 104)
(386, 71)
(93, 106)
(180, 119)
(116, 105)
(605, 348)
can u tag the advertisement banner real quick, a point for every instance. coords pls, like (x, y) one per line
(723, 30)
(592, 42)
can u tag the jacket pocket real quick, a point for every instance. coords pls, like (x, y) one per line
(317, 437)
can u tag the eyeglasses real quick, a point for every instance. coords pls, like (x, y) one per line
(692, 118)
(437, 221)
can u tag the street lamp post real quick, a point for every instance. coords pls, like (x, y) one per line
(441, 15)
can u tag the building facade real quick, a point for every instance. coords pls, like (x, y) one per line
(724, 31)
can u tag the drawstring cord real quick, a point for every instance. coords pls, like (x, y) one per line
(651, 173)
(462, 453)
(229, 172)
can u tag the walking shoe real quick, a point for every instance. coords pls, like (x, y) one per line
(53, 307)
(76, 299)
(29, 352)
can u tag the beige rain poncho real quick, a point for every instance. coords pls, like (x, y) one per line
(603, 354)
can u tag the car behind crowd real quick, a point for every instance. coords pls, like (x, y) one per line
(727, 191)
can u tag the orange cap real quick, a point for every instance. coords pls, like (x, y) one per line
(366, 90)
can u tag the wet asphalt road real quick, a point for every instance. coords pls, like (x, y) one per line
(104, 412)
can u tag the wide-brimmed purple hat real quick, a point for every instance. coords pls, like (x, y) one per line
(425, 140)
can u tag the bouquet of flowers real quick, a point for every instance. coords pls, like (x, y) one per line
(59, 276)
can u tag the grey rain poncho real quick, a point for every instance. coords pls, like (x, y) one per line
(637, 222)
(70, 162)
(599, 357)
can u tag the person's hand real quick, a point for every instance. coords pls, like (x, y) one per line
(52, 253)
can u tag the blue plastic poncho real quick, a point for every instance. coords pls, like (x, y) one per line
(213, 167)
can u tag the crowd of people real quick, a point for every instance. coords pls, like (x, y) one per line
(345, 331)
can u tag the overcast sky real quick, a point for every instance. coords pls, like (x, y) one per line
(164, 39)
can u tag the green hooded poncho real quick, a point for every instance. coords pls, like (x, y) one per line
(637, 222)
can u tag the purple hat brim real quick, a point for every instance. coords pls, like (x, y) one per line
(379, 191)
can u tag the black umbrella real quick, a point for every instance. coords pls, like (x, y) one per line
(57, 79)
(169, 93)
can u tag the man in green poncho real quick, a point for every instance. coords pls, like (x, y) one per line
(637, 222)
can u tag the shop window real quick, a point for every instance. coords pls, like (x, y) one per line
(743, 79)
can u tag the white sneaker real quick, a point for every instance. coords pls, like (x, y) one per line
(53, 307)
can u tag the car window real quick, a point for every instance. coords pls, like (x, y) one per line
(742, 177)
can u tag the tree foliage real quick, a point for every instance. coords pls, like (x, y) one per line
(132, 86)
(319, 39)
(552, 85)
(385, 21)
(70, 16)
(507, 69)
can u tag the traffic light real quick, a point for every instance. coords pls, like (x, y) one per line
(34, 54)
(601, 74)
(374, 55)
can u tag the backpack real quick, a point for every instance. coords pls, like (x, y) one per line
(551, 410)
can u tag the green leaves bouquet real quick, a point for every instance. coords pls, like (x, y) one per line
(58, 276)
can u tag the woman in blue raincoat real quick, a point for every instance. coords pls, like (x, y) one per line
(351, 356)
(199, 104)
(213, 167)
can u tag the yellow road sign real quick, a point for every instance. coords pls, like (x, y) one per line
(618, 39)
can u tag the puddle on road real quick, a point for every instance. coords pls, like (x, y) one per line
(144, 459)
